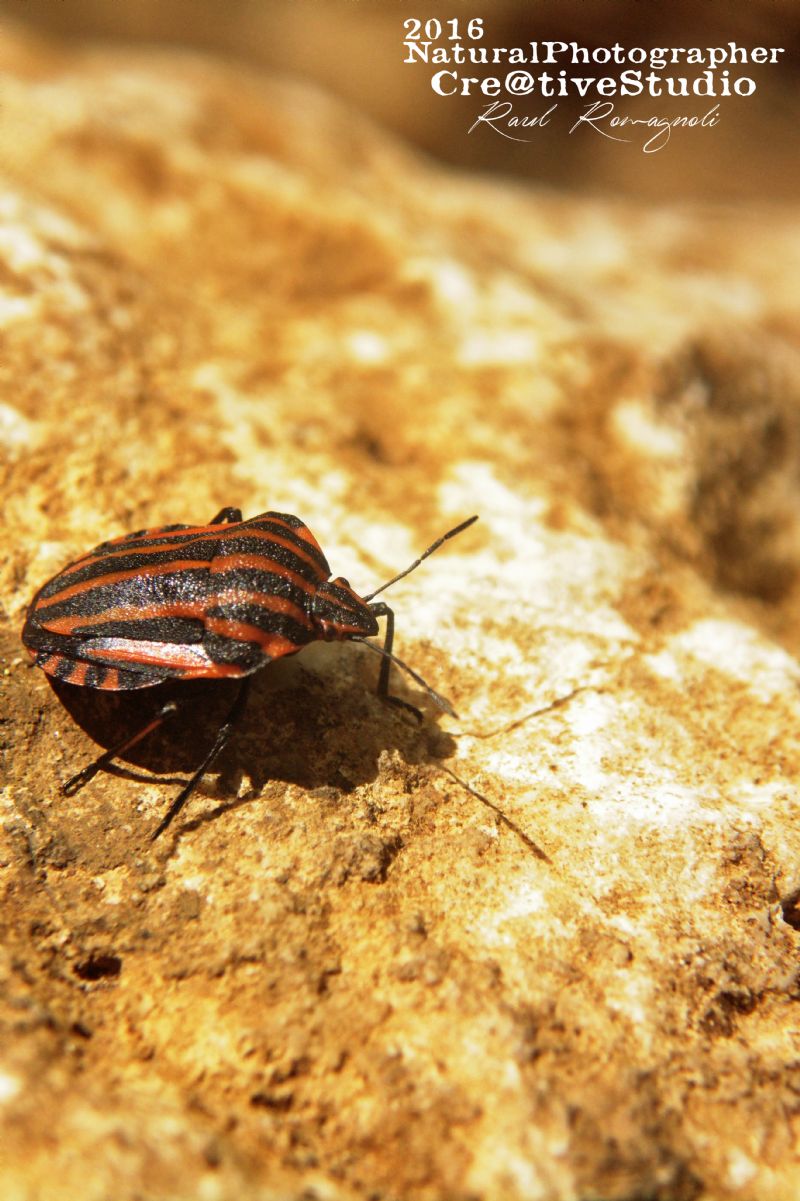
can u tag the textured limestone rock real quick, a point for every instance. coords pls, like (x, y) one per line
(547, 951)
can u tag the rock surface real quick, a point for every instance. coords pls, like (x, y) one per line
(546, 951)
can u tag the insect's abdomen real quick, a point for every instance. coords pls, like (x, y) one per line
(107, 619)
(178, 602)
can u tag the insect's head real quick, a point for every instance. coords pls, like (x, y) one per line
(339, 613)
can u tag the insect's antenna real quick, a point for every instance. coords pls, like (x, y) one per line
(435, 697)
(434, 546)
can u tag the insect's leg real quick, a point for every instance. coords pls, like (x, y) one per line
(223, 734)
(382, 610)
(83, 777)
(226, 517)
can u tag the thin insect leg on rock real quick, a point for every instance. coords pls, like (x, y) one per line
(88, 773)
(436, 697)
(223, 734)
(380, 609)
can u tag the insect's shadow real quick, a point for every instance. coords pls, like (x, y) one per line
(306, 729)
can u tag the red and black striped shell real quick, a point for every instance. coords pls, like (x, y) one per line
(191, 602)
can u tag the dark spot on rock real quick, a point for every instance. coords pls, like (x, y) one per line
(99, 967)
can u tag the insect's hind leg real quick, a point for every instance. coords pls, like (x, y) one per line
(226, 517)
(88, 773)
(223, 734)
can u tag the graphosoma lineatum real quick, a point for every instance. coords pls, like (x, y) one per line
(215, 601)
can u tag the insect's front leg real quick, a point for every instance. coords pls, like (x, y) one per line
(380, 609)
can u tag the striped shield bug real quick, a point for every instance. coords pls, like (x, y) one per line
(216, 601)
